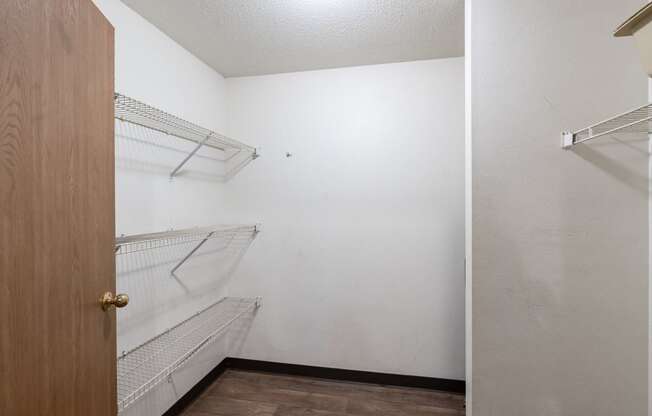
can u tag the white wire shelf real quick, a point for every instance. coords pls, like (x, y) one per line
(635, 121)
(200, 235)
(144, 367)
(136, 112)
(142, 242)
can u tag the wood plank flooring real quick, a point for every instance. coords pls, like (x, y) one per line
(248, 393)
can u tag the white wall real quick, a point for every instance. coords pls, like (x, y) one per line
(468, 205)
(560, 238)
(361, 259)
(153, 68)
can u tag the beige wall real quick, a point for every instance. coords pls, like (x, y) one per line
(560, 238)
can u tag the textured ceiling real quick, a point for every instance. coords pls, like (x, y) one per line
(254, 37)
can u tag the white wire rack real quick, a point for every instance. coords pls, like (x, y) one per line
(136, 112)
(200, 235)
(142, 242)
(635, 121)
(144, 367)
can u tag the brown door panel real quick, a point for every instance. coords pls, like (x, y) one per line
(57, 346)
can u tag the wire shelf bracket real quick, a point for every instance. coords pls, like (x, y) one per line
(190, 155)
(197, 247)
(138, 113)
(143, 368)
(635, 121)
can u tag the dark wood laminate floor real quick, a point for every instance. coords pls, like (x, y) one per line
(246, 393)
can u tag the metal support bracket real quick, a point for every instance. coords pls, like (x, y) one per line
(201, 243)
(190, 155)
(567, 140)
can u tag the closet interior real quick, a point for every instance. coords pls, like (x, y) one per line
(277, 190)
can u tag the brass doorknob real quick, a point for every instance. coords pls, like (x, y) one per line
(109, 299)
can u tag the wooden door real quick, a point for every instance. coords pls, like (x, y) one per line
(57, 346)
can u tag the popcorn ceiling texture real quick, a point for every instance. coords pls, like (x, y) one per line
(255, 37)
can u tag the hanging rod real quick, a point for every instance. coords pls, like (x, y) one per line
(136, 112)
(141, 242)
(144, 367)
(635, 121)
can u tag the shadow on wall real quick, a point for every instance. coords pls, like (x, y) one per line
(636, 143)
(602, 283)
(148, 151)
(235, 337)
(574, 282)
(155, 291)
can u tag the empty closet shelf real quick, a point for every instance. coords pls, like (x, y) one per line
(129, 110)
(635, 121)
(144, 367)
(141, 242)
